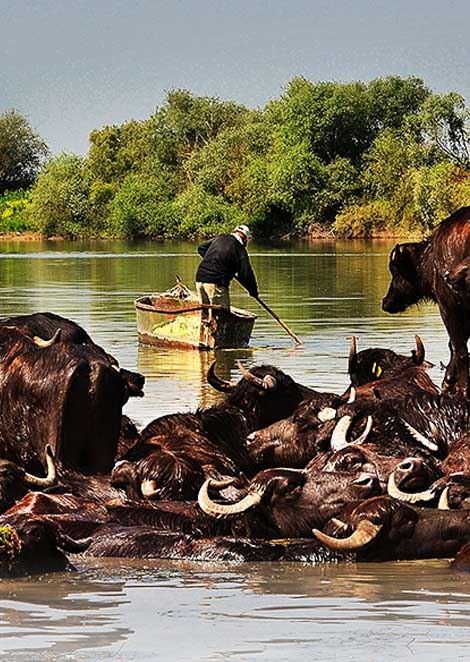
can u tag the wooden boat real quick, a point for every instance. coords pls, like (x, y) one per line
(176, 318)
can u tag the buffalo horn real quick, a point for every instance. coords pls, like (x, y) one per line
(361, 439)
(218, 383)
(352, 364)
(50, 479)
(40, 342)
(352, 396)
(149, 489)
(363, 535)
(326, 414)
(419, 353)
(338, 437)
(266, 384)
(420, 438)
(211, 508)
(395, 492)
(444, 500)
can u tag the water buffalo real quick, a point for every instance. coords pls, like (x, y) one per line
(373, 364)
(176, 453)
(15, 481)
(292, 500)
(45, 328)
(149, 543)
(63, 394)
(437, 269)
(384, 529)
(292, 442)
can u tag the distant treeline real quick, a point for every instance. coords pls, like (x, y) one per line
(348, 159)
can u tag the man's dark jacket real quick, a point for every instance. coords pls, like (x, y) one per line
(224, 258)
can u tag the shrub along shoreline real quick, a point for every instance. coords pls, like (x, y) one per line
(388, 158)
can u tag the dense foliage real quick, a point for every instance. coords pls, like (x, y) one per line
(351, 159)
(22, 152)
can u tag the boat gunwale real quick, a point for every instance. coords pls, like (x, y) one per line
(237, 312)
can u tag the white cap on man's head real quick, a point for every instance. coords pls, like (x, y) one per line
(243, 229)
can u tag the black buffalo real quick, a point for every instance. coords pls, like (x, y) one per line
(294, 500)
(384, 529)
(176, 453)
(60, 393)
(437, 269)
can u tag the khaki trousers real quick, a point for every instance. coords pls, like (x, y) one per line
(210, 293)
(217, 295)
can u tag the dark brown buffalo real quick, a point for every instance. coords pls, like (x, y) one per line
(36, 545)
(45, 326)
(292, 442)
(385, 529)
(297, 440)
(373, 364)
(408, 479)
(15, 482)
(176, 453)
(437, 269)
(293, 500)
(62, 394)
(149, 543)
(424, 422)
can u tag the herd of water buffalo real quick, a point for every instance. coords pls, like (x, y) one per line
(276, 471)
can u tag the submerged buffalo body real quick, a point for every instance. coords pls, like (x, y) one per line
(438, 269)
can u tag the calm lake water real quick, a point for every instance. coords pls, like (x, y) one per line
(130, 610)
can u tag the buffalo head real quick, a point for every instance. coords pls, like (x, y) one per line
(291, 499)
(404, 289)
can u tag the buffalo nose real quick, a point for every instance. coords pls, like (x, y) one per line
(409, 465)
(368, 481)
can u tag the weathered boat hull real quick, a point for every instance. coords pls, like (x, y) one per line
(185, 323)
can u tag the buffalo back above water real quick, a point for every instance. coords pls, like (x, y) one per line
(64, 395)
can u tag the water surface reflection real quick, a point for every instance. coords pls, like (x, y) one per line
(326, 292)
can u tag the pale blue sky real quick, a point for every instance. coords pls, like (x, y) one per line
(75, 65)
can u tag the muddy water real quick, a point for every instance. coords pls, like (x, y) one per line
(140, 611)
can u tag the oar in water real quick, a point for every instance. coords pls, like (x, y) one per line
(278, 319)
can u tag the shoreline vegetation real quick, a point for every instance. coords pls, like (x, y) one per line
(325, 160)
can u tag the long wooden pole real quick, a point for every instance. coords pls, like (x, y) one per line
(278, 319)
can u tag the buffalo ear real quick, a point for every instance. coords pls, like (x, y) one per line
(403, 258)
(458, 278)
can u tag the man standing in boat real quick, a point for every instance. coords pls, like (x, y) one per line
(223, 258)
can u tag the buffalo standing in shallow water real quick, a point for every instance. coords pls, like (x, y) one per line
(438, 269)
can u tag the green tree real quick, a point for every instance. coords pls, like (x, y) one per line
(445, 123)
(186, 123)
(22, 152)
(200, 214)
(142, 207)
(60, 198)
